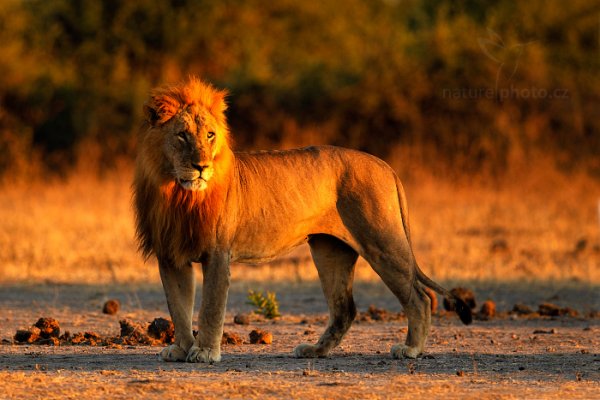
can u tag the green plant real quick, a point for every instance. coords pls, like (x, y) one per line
(267, 306)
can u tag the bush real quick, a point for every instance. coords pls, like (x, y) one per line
(430, 76)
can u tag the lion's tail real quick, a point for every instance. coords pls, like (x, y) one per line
(462, 309)
(403, 208)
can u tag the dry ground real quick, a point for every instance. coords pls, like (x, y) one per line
(67, 247)
(502, 358)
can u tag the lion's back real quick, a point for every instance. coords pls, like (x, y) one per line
(306, 179)
(310, 160)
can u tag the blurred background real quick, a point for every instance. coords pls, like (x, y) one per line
(456, 87)
(489, 111)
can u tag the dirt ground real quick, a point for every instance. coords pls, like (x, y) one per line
(506, 357)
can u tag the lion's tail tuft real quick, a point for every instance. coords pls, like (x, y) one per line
(461, 308)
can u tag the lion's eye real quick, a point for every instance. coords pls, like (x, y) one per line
(210, 135)
(181, 136)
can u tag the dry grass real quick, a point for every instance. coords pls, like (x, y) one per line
(75, 231)
(544, 229)
(81, 231)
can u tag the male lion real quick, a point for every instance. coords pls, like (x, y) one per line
(198, 201)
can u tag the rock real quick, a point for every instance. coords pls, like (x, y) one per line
(27, 335)
(111, 307)
(162, 329)
(134, 333)
(78, 338)
(241, 319)
(522, 309)
(231, 338)
(49, 327)
(544, 332)
(592, 314)
(488, 310)
(377, 314)
(50, 341)
(93, 337)
(465, 295)
(258, 336)
(568, 311)
(549, 309)
(128, 327)
(88, 338)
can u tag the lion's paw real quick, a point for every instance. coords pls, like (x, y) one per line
(172, 353)
(203, 354)
(404, 351)
(306, 350)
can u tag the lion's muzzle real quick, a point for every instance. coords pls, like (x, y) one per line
(196, 178)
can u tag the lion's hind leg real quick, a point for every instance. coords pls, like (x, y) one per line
(418, 312)
(399, 276)
(335, 263)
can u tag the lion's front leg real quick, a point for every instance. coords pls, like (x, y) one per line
(207, 346)
(179, 285)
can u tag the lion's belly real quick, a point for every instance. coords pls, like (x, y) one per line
(259, 252)
(262, 242)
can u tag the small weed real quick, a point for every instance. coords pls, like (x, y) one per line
(266, 306)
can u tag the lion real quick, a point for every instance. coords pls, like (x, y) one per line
(197, 201)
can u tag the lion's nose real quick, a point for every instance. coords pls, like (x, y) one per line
(199, 167)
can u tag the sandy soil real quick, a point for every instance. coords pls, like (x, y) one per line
(501, 358)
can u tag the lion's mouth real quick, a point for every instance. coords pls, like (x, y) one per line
(192, 184)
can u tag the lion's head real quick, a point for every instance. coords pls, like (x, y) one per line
(187, 131)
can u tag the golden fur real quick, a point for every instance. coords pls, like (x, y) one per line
(197, 201)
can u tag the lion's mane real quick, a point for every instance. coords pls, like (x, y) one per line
(172, 221)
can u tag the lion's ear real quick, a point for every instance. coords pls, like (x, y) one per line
(159, 109)
(150, 114)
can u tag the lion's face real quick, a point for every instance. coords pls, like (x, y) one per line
(192, 141)
(188, 130)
